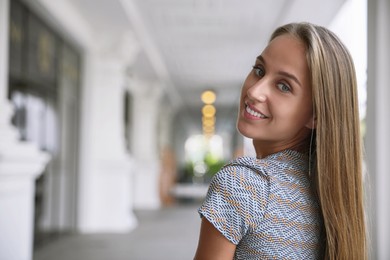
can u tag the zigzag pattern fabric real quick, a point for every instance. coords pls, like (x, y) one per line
(266, 207)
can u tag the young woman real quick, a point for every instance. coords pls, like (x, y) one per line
(301, 197)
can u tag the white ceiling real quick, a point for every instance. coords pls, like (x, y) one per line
(212, 43)
(193, 45)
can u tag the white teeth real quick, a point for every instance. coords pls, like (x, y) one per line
(254, 113)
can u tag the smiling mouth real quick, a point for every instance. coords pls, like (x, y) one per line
(254, 113)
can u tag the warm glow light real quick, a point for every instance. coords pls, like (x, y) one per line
(208, 121)
(208, 111)
(208, 118)
(208, 97)
(208, 129)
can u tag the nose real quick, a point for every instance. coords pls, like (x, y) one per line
(258, 91)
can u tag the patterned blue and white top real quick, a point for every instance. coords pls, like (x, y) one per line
(266, 207)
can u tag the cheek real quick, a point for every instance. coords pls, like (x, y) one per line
(245, 87)
(304, 117)
(297, 113)
(249, 81)
(241, 101)
(244, 90)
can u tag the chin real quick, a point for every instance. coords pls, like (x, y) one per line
(244, 131)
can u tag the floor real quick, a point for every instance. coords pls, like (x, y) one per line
(170, 233)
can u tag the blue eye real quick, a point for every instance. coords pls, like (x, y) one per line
(284, 87)
(259, 71)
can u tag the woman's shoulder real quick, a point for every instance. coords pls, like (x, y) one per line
(243, 167)
(237, 197)
(279, 163)
(260, 172)
(244, 174)
(239, 181)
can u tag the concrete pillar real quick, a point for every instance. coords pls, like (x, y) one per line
(146, 105)
(166, 126)
(105, 190)
(4, 33)
(168, 160)
(378, 127)
(20, 164)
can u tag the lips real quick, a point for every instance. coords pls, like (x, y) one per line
(254, 113)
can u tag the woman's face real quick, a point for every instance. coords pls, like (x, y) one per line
(276, 104)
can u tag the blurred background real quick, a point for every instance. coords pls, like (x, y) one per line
(115, 115)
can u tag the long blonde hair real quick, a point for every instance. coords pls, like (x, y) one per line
(337, 174)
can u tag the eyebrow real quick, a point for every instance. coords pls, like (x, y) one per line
(283, 73)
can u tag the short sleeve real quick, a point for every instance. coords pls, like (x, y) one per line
(236, 201)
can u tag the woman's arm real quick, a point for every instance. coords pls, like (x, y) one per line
(212, 244)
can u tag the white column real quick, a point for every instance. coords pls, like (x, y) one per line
(4, 34)
(20, 164)
(378, 127)
(146, 97)
(166, 124)
(105, 190)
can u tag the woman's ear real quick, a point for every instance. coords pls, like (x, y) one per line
(312, 123)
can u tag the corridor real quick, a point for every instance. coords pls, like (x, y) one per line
(104, 120)
(169, 233)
